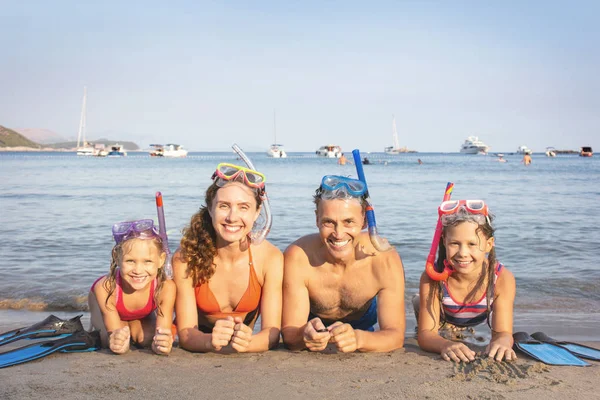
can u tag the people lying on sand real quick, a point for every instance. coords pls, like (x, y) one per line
(134, 302)
(225, 280)
(476, 285)
(337, 286)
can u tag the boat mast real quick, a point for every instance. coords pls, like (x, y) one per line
(394, 133)
(274, 127)
(82, 120)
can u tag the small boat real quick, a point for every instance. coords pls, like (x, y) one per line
(395, 148)
(116, 150)
(83, 147)
(100, 150)
(524, 150)
(276, 150)
(550, 152)
(586, 151)
(169, 150)
(329, 151)
(472, 145)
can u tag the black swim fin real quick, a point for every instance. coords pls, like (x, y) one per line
(50, 327)
(578, 349)
(77, 342)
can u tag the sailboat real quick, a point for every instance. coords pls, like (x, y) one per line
(86, 149)
(395, 149)
(276, 150)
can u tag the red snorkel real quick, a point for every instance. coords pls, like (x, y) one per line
(430, 264)
(162, 232)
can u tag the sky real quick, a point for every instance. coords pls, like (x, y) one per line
(207, 74)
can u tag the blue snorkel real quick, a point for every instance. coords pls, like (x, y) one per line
(259, 236)
(162, 232)
(378, 242)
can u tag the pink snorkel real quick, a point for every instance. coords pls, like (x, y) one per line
(430, 264)
(162, 232)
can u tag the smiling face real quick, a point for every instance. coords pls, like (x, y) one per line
(340, 222)
(140, 262)
(466, 247)
(233, 211)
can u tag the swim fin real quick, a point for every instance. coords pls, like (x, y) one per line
(578, 349)
(77, 342)
(545, 352)
(51, 326)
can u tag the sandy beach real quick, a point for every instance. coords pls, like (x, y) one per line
(408, 373)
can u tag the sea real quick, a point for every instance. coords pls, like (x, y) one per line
(57, 210)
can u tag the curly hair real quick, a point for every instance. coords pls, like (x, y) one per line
(198, 243)
(118, 251)
(486, 278)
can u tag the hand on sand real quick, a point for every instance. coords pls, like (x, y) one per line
(501, 348)
(118, 340)
(316, 335)
(242, 336)
(162, 342)
(344, 337)
(457, 352)
(222, 333)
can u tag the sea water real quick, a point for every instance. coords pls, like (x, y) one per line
(57, 210)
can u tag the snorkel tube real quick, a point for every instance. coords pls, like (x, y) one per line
(430, 264)
(378, 242)
(162, 232)
(259, 236)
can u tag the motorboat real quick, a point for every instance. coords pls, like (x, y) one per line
(550, 152)
(276, 151)
(116, 150)
(586, 151)
(169, 150)
(472, 145)
(329, 151)
(524, 150)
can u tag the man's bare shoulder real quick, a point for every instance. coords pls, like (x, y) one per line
(305, 244)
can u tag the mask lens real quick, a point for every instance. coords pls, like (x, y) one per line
(475, 205)
(121, 228)
(448, 206)
(228, 170)
(143, 225)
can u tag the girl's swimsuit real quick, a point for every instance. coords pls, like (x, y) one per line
(249, 304)
(466, 314)
(124, 313)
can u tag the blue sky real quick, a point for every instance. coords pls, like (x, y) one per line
(206, 74)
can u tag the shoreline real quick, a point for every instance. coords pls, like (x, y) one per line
(405, 373)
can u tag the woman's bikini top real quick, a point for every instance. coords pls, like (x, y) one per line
(249, 303)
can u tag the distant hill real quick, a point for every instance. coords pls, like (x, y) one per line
(43, 136)
(10, 138)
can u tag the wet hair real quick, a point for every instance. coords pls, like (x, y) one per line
(484, 225)
(118, 251)
(198, 243)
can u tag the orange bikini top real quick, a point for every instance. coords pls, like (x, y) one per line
(208, 305)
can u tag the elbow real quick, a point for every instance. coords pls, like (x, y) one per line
(274, 337)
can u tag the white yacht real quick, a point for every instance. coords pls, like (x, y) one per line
(276, 150)
(395, 148)
(169, 150)
(550, 152)
(117, 150)
(83, 147)
(329, 151)
(473, 145)
(524, 150)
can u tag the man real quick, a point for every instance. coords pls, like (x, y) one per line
(337, 285)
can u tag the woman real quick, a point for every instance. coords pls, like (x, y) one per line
(224, 279)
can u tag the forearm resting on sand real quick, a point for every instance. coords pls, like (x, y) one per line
(380, 341)
(293, 337)
(194, 340)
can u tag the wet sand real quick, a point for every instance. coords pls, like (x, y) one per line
(407, 373)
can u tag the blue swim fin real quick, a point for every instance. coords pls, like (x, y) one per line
(545, 352)
(77, 342)
(578, 349)
(50, 327)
